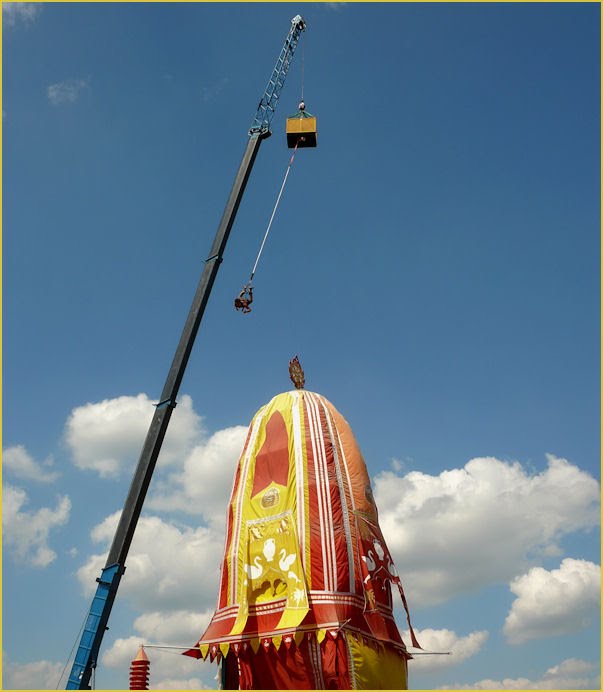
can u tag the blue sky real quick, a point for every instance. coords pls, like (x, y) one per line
(434, 262)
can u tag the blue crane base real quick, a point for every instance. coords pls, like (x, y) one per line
(96, 622)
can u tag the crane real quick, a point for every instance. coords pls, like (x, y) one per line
(86, 656)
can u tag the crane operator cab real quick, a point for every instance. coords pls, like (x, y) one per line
(301, 128)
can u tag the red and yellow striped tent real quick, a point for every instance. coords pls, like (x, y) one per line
(305, 590)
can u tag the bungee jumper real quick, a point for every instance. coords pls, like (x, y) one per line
(244, 299)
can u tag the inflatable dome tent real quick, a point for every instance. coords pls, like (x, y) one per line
(305, 596)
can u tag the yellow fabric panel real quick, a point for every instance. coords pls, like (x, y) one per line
(254, 447)
(269, 565)
(250, 510)
(376, 668)
(273, 570)
(304, 484)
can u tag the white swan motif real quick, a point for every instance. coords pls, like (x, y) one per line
(254, 571)
(286, 560)
(378, 549)
(370, 564)
(370, 561)
(269, 549)
(391, 568)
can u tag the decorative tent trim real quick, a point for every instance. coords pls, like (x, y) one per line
(220, 649)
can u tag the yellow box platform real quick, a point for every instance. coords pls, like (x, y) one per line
(301, 130)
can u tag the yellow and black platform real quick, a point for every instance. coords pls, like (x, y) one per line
(301, 129)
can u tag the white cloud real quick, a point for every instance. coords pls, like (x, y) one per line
(123, 651)
(151, 583)
(179, 627)
(26, 533)
(571, 674)
(548, 604)
(67, 91)
(397, 465)
(200, 484)
(571, 666)
(19, 462)
(16, 12)
(37, 675)
(205, 483)
(443, 641)
(107, 436)
(479, 525)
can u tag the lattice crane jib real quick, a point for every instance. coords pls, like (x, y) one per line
(269, 101)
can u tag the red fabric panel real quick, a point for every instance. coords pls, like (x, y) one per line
(341, 544)
(272, 461)
(223, 592)
(317, 581)
(290, 668)
(232, 672)
(335, 664)
(285, 669)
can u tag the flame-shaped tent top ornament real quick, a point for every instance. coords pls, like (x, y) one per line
(296, 373)
(305, 589)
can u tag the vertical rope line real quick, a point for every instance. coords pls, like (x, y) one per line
(303, 61)
(273, 213)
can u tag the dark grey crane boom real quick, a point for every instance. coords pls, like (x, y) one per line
(96, 623)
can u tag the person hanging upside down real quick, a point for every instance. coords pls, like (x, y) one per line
(244, 299)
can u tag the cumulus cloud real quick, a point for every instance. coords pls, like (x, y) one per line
(204, 485)
(67, 91)
(199, 484)
(571, 674)
(151, 583)
(571, 666)
(14, 13)
(107, 436)
(37, 675)
(548, 604)
(167, 668)
(25, 534)
(479, 525)
(177, 627)
(17, 461)
(442, 642)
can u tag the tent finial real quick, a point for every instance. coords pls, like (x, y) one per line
(296, 373)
